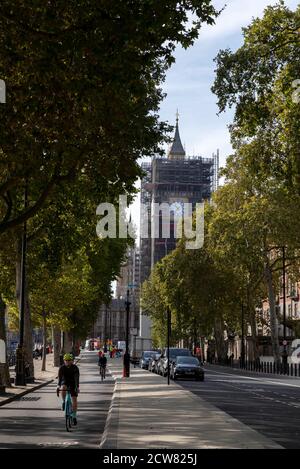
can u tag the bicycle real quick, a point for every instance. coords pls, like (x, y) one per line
(68, 409)
(102, 372)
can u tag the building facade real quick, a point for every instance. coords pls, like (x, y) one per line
(173, 180)
(111, 322)
(290, 316)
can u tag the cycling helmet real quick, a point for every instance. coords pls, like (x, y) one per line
(68, 357)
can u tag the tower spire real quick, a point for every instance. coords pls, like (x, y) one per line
(176, 151)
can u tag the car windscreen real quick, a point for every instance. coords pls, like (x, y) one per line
(187, 360)
(149, 354)
(181, 352)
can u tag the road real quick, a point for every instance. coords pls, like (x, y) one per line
(270, 405)
(36, 421)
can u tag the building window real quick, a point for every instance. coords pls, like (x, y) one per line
(296, 310)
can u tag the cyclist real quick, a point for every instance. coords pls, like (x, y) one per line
(68, 377)
(102, 362)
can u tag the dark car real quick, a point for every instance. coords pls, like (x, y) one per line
(187, 367)
(145, 358)
(174, 352)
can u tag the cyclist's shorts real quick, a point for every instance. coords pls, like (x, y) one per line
(72, 387)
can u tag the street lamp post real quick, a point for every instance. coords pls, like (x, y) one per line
(127, 304)
(168, 341)
(105, 326)
(110, 335)
(62, 348)
(126, 371)
(20, 362)
(284, 293)
(243, 340)
(284, 354)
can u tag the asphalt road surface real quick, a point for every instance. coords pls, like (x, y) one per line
(270, 405)
(37, 421)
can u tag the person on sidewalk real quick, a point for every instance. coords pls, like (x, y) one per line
(68, 377)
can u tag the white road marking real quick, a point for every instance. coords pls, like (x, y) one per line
(239, 386)
(59, 443)
(264, 380)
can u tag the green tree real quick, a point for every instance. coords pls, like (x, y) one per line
(260, 80)
(83, 90)
(251, 222)
(260, 203)
(200, 294)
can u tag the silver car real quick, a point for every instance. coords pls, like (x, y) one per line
(174, 352)
(153, 363)
(146, 357)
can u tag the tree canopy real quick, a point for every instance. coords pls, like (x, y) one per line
(83, 90)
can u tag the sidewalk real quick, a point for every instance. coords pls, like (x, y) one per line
(147, 413)
(41, 379)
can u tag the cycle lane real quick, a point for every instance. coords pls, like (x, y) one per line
(36, 421)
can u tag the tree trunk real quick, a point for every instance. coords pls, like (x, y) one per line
(221, 345)
(273, 315)
(253, 350)
(67, 342)
(28, 345)
(254, 344)
(4, 375)
(44, 340)
(56, 340)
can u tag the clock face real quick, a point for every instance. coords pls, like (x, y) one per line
(177, 209)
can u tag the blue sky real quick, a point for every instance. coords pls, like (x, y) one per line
(189, 81)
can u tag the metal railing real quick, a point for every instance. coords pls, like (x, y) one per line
(289, 369)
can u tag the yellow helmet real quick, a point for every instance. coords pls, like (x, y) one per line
(68, 357)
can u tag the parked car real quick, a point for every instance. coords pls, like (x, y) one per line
(187, 367)
(153, 362)
(145, 358)
(174, 352)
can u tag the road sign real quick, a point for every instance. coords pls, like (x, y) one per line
(132, 285)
